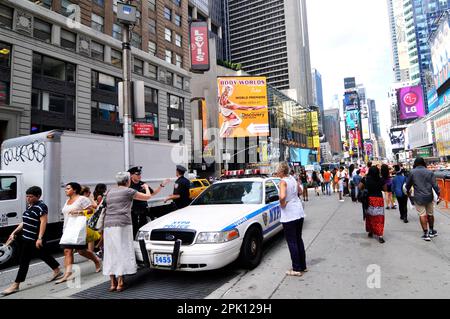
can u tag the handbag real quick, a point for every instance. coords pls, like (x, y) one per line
(97, 219)
(75, 231)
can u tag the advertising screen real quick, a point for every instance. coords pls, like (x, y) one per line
(243, 107)
(442, 134)
(351, 101)
(365, 128)
(199, 46)
(352, 118)
(433, 100)
(440, 53)
(410, 102)
(397, 137)
(343, 132)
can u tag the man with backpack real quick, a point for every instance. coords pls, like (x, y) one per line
(397, 185)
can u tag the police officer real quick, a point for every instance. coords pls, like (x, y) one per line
(139, 210)
(181, 189)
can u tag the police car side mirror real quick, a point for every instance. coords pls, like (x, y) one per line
(272, 199)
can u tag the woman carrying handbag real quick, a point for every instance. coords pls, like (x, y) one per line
(74, 230)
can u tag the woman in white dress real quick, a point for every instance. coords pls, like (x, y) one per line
(119, 257)
(292, 216)
(75, 206)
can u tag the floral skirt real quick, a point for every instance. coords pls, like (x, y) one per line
(375, 216)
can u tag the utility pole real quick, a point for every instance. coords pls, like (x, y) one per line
(126, 14)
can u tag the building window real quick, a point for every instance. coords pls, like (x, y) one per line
(116, 58)
(138, 66)
(97, 22)
(100, 3)
(179, 81)
(152, 47)
(152, 5)
(104, 82)
(136, 40)
(97, 51)
(151, 110)
(152, 26)
(105, 112)
(65, 8)
(177, 2)
(167, 14)
(5, 72)
(117, 32)
(179, 61)
(175, 125)
(177, 20)
(169, 78)
(53, 68)
(168, 35)
(178, 40)
(152, 71)
(52, 102)
(42, 30)
(68, 40)
(176, 102)
(6, 16)
(168, 56)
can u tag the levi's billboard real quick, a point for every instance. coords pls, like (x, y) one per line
(199, 46)
(411, 102)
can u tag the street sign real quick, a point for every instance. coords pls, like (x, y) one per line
(144, 129)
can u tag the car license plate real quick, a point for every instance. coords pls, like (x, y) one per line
(162, 260)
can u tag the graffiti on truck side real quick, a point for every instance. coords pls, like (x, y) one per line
(35, 151)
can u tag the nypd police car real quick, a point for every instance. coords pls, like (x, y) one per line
(227, 221)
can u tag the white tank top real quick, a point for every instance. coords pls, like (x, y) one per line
(294, 208)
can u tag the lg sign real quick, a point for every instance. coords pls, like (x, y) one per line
(410, 100)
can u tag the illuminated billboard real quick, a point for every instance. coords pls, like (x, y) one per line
(410, 102)
(243, 106)
(199, 46)
(440, 52)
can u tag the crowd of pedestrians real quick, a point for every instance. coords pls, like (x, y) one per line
(124, 215)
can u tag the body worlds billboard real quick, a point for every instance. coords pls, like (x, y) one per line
(411, 102)
(243, 106)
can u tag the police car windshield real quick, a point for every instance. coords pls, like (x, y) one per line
(231, 193)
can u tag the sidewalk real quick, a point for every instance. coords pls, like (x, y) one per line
(344, 263)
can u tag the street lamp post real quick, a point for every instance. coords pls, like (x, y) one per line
(126, 14)
(127, 119)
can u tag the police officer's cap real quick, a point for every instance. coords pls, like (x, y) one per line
(181, 169)
(135, 169)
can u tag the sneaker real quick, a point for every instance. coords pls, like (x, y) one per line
(387, 207)
(405, 221)
(426, 237)
(370, 235)
(341, 200)
(432, 233)
(381, 240)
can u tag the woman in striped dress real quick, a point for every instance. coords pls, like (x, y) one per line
(374, 211)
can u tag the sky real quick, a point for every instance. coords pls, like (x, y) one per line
(351, 38)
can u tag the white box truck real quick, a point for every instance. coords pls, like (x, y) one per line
(52, 159)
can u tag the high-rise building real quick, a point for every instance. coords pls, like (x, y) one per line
(420, 16)
(374, 118)
(64, 75)
(332, 131)
(318, 94)
(399, 40)
(270, 38)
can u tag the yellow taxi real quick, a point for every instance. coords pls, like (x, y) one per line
(197, 186)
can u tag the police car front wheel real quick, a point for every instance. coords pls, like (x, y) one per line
(251, 250)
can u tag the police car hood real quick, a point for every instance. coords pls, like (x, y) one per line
(203, 217)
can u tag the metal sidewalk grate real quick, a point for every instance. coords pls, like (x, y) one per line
(153, 284)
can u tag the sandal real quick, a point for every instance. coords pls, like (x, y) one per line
(64, 279)
(121, 288)
(294, 273)
(56, 276)
(112, 289)
(9, 291)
